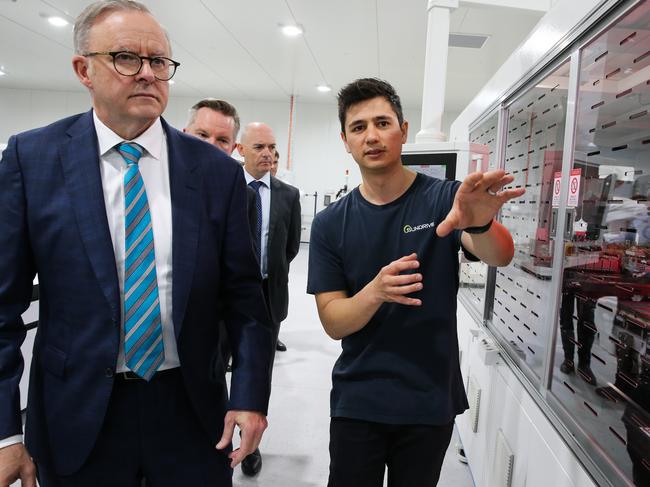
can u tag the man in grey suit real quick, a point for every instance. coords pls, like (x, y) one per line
(278, 231)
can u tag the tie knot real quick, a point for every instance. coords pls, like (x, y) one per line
(256, 185)
(130, 151)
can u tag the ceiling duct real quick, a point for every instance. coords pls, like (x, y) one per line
(469, 41)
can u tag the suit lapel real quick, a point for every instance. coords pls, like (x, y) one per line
(80, 162)
(184, 182)
(274, 210)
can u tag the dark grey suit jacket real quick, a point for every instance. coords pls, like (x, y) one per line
(283, 244)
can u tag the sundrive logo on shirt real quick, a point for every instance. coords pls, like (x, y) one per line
(423, 226)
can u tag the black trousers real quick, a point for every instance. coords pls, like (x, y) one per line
(360, 451)
(585, 327)
(150, 437)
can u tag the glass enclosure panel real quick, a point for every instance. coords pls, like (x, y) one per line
(473, 275)
(483, 145)
(601, 368)
(535, 135)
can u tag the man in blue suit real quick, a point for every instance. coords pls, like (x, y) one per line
(136, 233)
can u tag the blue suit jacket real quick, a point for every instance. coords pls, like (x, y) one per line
(53, 222)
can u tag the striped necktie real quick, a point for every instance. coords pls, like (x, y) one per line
(143, 345)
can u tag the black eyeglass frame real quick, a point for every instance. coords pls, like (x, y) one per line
(113, 54)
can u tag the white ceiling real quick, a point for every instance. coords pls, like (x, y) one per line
(234, 48)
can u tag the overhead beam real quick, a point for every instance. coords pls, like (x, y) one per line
(535, 5)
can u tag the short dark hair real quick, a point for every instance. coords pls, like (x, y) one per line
(220, 106)
(365, 89)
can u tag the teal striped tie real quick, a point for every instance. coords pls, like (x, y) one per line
(143, 345)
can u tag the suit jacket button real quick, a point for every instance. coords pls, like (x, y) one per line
(109, 372)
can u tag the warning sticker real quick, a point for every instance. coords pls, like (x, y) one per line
(573, 198)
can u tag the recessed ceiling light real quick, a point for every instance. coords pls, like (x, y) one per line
(2, 73)
(324, 88)
(57, 21)
(291, 30)
(172, 82)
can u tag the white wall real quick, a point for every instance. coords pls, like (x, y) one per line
(319, 159)
(447, 119)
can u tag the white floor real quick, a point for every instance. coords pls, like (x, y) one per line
(295, 446)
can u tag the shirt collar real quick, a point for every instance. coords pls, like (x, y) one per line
(151, 139)
(266, 179)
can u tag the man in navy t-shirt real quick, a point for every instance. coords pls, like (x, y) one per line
(383, 264)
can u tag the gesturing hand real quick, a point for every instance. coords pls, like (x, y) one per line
(392, 286)
(478, 200)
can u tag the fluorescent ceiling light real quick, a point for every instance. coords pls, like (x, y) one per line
(172, 82)
(324, 88)
(57, 21)
(2, 73)
(291, 30)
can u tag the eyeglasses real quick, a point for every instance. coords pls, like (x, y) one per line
(129, 64)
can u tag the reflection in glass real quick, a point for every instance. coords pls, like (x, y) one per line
(602, 364)
(533, 155)
(473, 275)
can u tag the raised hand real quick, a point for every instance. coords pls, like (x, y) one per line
(478, 200)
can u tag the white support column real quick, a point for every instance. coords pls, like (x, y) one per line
(435, 71)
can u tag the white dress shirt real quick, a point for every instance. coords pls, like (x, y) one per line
(154, 168)
(265, 194)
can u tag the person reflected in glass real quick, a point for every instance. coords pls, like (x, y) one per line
(585, 328)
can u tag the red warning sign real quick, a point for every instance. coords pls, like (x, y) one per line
(574, 188)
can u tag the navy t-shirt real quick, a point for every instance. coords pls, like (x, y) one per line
(402, 367)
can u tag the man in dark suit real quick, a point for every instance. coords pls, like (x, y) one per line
(217, 123)
(134, 230)
(278, 232)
